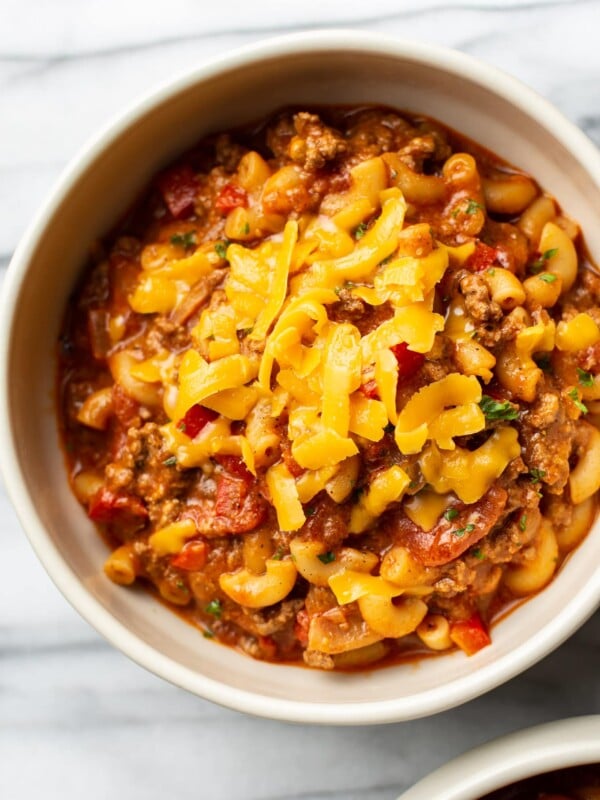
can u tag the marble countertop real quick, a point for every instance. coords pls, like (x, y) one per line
(77, 718)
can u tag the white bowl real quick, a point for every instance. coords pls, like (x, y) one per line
(556, 745)
(314, 67)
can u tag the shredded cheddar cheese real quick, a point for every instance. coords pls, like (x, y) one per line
(269, 355)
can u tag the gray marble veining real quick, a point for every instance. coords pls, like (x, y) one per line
(77, 719)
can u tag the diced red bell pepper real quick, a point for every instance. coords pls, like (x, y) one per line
(235, 466)
(195, 419)
(231, 197)
(369, 389)
(409, 362)
(179, 188)
(106, 506)
(470, 635)
(193, 556)
(301, 627)
(483, 257)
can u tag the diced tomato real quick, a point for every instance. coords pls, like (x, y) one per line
(239, 507)
(231, 197)
(470, 635)
(125, 408)
(106, 506)
(179, 187)
(409, 362)
(483, 257)
(301, 627)
(193, 556)
(195, 419)
(231, 493)
(236, 467)
(369, 389)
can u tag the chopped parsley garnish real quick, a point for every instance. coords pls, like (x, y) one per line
(246, 332)
(246, 229)
(326, 558)
(181, 426)
(574, 395)
(536, 475)
(214, 608)
(186, 240)
(450, 514)
(540, 263)
(221, 249)
(360, 231)
(523, 522)
(208, 635)
(473, 206)
(585, 378)
(478, 554)
(491, 272)
(171, 461)
(548, 277)
(494, 409)
(181, 585)
(278, 554)
(467, 529)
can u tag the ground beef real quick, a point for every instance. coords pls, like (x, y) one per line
(548, 449)
(326, 522)
(265, 622)
(141, 470)
(478, 302)
(315, 143)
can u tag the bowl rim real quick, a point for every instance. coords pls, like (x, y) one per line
(428, 702)
(513, 757)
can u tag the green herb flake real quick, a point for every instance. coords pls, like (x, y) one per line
(310, 511)
(214, 608)
(536, 475)
(360, 231)
(186, 240)
(494, 409)
(585, 378)
(278, 554)
(523, 522)
(326, 558)
(171, 461)
(473, 206)
(467, 529)
(540, 263)
(478, 554)
(246, 229)
(450, 514)
(221, 249)
(574, 395)
(181, 426)
(180, 585)
(548, 277)
(491, 272)
(208, 635)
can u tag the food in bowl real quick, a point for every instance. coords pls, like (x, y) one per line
(327, 388)
(574, 783)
